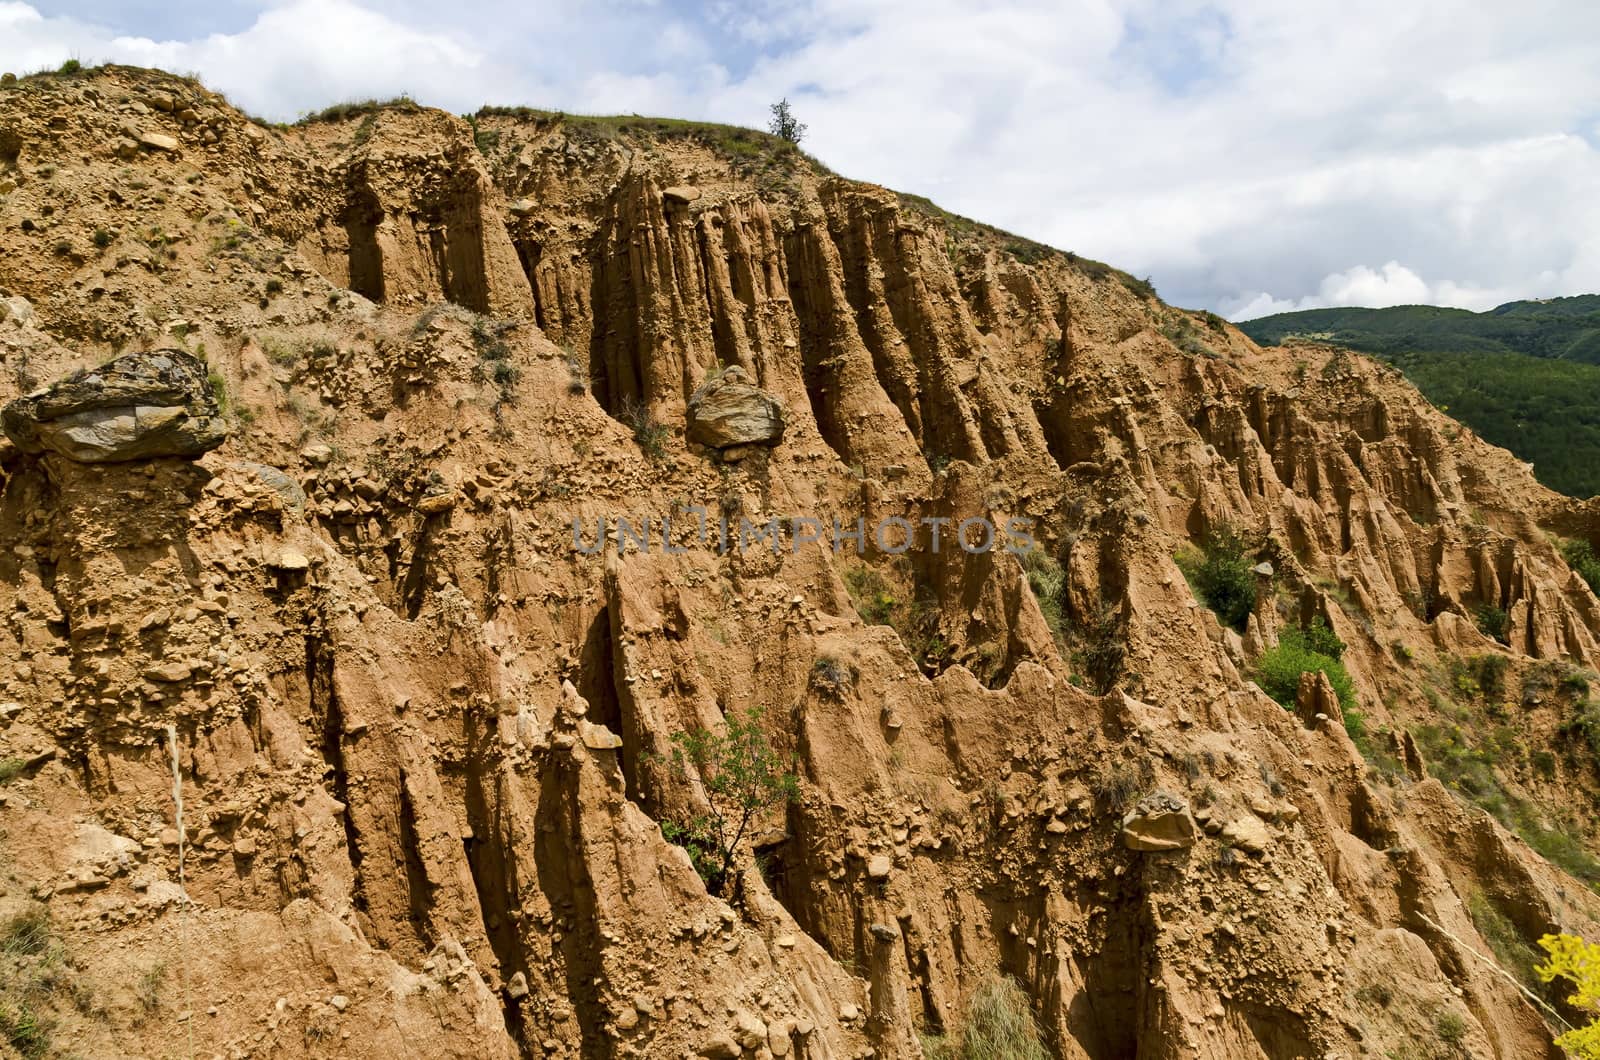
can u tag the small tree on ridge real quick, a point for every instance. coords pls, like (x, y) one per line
(784, 125)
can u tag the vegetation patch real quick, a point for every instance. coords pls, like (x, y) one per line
(999, 1026)
(1221, 574)
(1463, 753)
(37, 981)
(742, 777)
(1577, 964)
(1049, 583)
(360, 108)
(914, 618)
(651, 435)
(1585, 564)
(1492, 621)
(1315, 649)
(832, 677)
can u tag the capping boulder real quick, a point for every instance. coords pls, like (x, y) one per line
(1159, 821)
(729, 412)
(135, 407)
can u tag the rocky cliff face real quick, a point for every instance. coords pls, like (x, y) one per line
(419, 732)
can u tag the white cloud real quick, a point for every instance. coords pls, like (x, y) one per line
(295, 57)
(1248, 154)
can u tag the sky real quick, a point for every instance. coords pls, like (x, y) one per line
(1250, 156)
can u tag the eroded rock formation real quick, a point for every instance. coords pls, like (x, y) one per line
(421, 735)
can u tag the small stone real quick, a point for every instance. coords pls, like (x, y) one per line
(598, 737)
(517, 988)
(158, 141)
(436, 503)
(522, 207)
(848, 1013)
(1248, 834)
(291, 560)
(878, 866)
(170, 673)
(680, 193)
(339, 1001)
(748, 1030)
(720, 1046)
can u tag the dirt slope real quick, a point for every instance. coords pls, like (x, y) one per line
(418, 732)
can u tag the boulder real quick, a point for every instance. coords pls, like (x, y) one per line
(1159, 821)
(135, 407)
(158, 141)
(729, 412)
(1249, 834)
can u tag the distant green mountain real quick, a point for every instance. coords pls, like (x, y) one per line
(1524, 375)
(1563, 328)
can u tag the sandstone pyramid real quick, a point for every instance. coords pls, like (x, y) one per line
(420, 737)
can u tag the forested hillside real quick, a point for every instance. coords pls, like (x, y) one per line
(1525, 375)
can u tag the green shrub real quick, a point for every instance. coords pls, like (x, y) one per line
(1584, 722)
(25, 1029)
(1101, 650)
(651, 436)
(1048, 582)
(71, 66)
(1492, 621)
(219, 390)
(1544, 763)
(1278, 671)
(26, 933)
(1581, 558)
(1490, 671)
(1321, 638)
(1142, 288)
(742, 777)
(10, 769)
(872, 595)
(1222, 577)
(1450, 1026)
